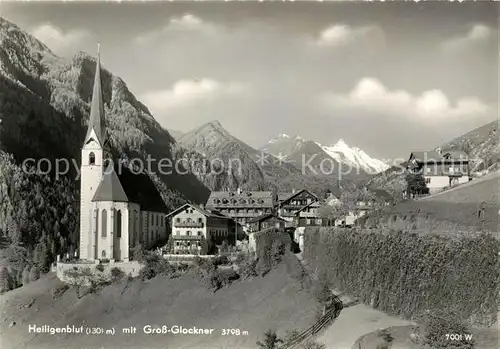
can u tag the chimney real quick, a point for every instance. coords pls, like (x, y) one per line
(239, 191)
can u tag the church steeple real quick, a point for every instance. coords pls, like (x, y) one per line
(96, 120)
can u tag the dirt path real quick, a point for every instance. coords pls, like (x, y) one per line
(355, 321)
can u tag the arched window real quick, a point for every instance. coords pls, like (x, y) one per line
(104, 224)
(103, 254)
(91, 159)
(118, 224)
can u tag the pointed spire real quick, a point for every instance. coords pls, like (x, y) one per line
(96, 119)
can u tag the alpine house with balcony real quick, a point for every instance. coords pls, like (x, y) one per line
(194, 226)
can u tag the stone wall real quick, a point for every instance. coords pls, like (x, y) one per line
(82, 273)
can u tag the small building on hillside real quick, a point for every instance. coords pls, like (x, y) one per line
(266, 221)
(193, 226)
(288, 207)
(441, 170)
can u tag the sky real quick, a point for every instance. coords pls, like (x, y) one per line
(385, 77)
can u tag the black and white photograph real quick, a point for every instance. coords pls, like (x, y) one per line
(249, 175)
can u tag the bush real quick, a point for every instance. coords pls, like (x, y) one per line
(117, 274)
(221, 260)
(271, 340)
(433, 330)
(34, 273)
(57, 292)
(247, 269)
(154, 265)
(406, 273)
(100, 267)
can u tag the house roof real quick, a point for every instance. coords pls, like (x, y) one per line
(200, 209)
(265, 217)
(436, 157)
(120, 184)
(426, 156)
(292, 195)
(255, 199)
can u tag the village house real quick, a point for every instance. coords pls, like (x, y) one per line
(193, 226)
(119, 208)
(241, 206)
(374, 199)
(440, 169)
(266, 221)
(289, 205)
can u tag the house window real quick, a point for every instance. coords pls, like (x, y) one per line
(178, 220)
(104, 224)
(91, 159)
(427, 180)
(177, 243)
(200, 233)
(188, 244)
(103, 253)
(119, 224)
(200, 220)
(188, 233)
(177, 233)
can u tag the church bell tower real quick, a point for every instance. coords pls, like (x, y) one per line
(94, 152)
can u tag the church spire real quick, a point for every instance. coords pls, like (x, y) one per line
(96, 119)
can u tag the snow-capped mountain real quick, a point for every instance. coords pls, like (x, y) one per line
(354, 157)
(285, 146)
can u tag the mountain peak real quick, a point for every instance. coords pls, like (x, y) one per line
(341, 143)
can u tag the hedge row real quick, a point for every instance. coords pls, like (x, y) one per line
(270, 246)
(407, 274)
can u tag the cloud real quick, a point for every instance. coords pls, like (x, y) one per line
(478, 34)
(57, 40)
(177, 25)
(340, 34)
(370, 95)
(185, 93)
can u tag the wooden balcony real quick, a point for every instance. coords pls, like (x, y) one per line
(188, 224)
(187, 237)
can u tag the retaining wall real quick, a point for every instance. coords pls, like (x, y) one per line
(84, 273)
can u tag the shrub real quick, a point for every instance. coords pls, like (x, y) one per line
(100, 267)
(221, 260)
(270, 341)
(247, 269)
(434, 327)
(117, 274)
(154, 265)
(34, 273)
(57, 292)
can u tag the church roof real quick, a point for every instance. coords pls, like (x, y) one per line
(110, 188)
(96, 119)
(120, 184)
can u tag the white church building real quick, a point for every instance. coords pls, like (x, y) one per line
(119, 207)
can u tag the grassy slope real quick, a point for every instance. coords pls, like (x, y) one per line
(274, 301)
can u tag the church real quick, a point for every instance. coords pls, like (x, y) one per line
(119, 208)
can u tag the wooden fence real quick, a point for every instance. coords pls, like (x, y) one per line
(333, 311)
